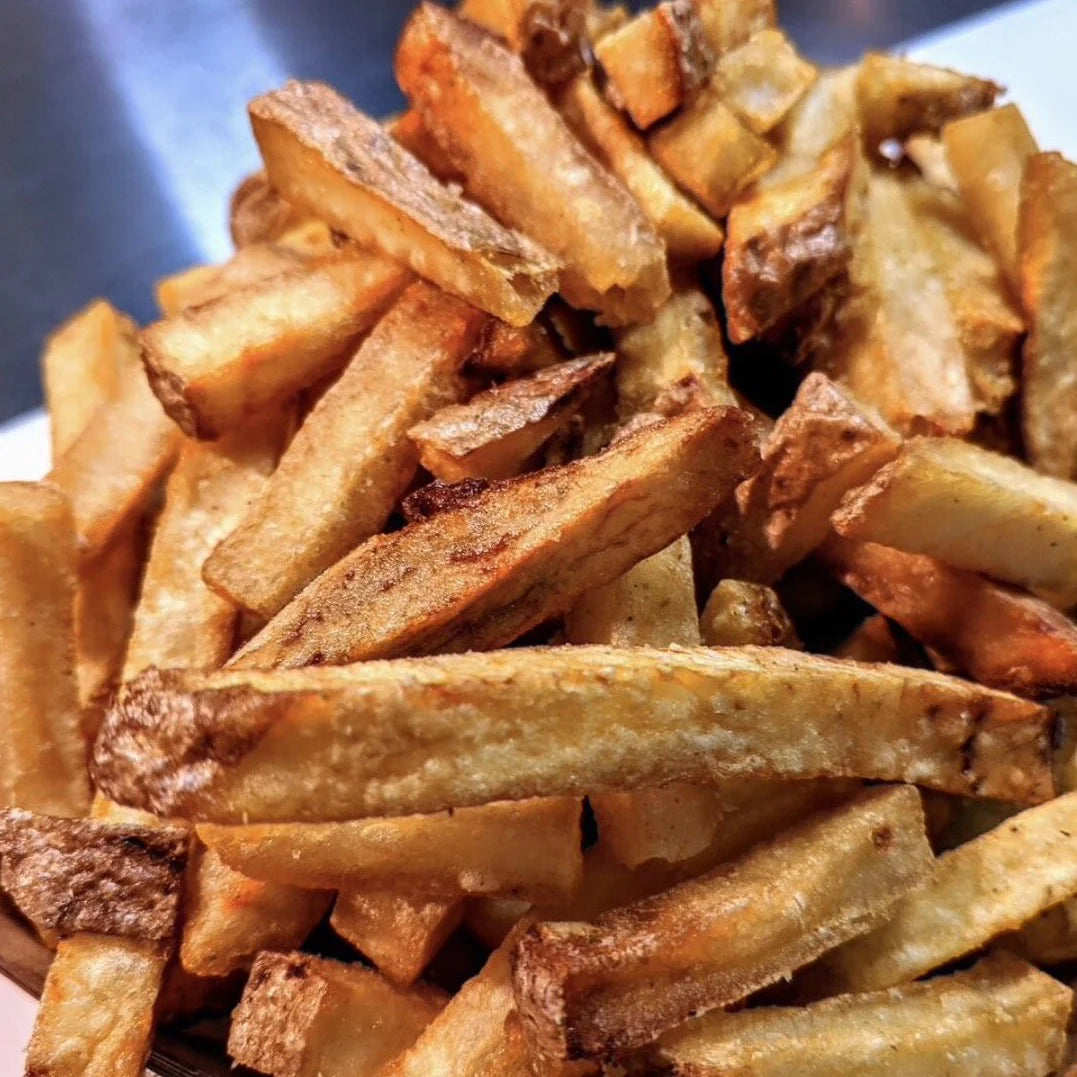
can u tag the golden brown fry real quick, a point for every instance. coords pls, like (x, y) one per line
(42, 748)
(1047, 234)
(477, 99)
(1047, 939)
(259, 214)
(929, 155)
(215, 366)
(496, 433)
(593, 989)
(519, 553)
(728, 24)
(999, 636)
(656, 62)
(351, 460)
(409, 130)
(688, 232)
(992, 884)
(973, 509)
(1000, 1018)
(421, 735)
(505, 350)
(320, 150)
(987, 153)
(303, 1016)
(739, 613)
(873, 641)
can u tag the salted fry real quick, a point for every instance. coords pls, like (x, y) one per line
(43, 752)
(729, 24)
(258, 214)
(593, 989)
(243, 745)
(740, 613)
(475, 97)
(973, 509)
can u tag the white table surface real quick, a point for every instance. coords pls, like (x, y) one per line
(1026, 46)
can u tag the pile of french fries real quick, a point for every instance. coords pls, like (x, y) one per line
(435, 573)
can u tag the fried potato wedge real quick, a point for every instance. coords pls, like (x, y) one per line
(999, 636)
(1001, 1017)
(596, 989)
(322, 503)
(1047, 233)
(992, 884)
(422, 735)
(303, 1016)
(688, 232)
(216, 365)
(973, 509)
(476, 98)
(740, 613)
(43, 751)
(656, 62)
(728, 24)
(259, 214)
(987, 154)
(497, 432)
(519, 553)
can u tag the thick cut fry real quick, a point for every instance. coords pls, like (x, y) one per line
(421, 735)
(303, 1016)
(1000, 1019)
(655, 63)
(897, 97)
(519, 847)
(987, 153)
(728, 24)
(496, 433)
(522, 161)
(710, 153)
(409, 130)
(594, 989)
(215, 366)
(399, 931)
(785, 243)
(1047, 238)
(351, 460)
(320, 150)
(972, 509)
(992, 884)
(42, 748)
(258, 214)
(872, 641)
(504, 350)
(739, 613)
(1048, 939)
(518, 554)
(180, 623)
(999, 636)
(97, 1009)
(688, 232)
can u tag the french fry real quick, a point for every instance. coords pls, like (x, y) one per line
(258, 214)
(973, 509)
(409, 130)
(519, 553)
(999, 636)
(1047, 227)
(987, 153)
(929, 155)
(504, 350)
(399, 932)
(324, 504)
(303, 1016)
(656, 62)
(320, 150)
(495, 433)
(474, 94)
(992, 884)
(740, 613)
(728, 24)
(216, 365)
(687, 231)
(872, 641)
(423, 735)
(999, 1018)
(595, 989)
(1047, 939)
(43, 752)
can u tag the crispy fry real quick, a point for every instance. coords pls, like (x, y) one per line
(320, 150)
(42, 748)
(992, 884)
(739, 613)
(593, 989)
(242, 745)
(729, 24)
(409, 130)
(259, 214)
(872, 641)
(1000, 1018)
(519, 553)
(476, 99)
(656, 62)
(303, 1016)
(1047, 232)
(973, 509)
(496, 432)
(505, 350)
(1047, 939)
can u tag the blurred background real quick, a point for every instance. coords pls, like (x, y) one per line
(123, 130)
